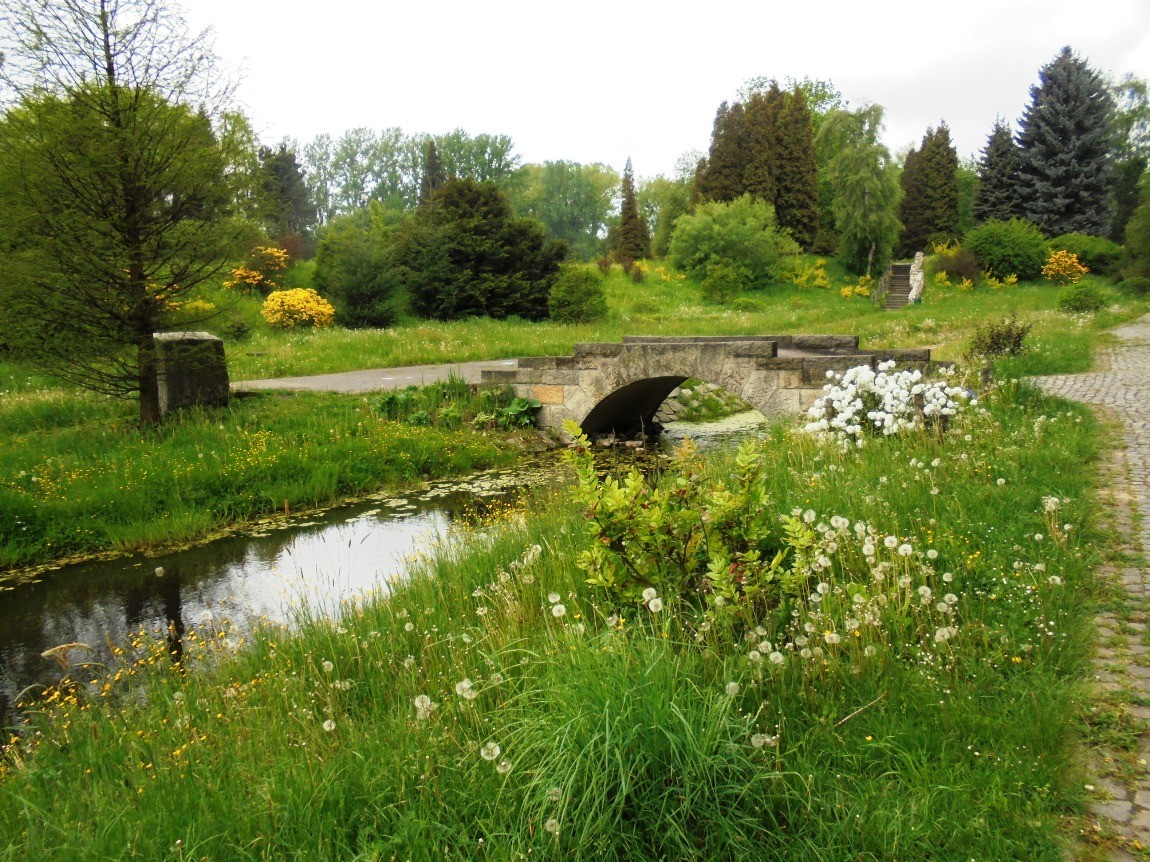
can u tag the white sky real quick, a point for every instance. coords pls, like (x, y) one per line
(598, 81)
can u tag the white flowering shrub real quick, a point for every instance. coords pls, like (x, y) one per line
(864, 402)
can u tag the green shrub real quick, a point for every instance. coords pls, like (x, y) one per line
(353, 268)
(1081, 297)
(1003, 248)
(741, 234)
(956, 261)
(998, 339)
(577, 296)
(1138, 285)
(1098, 254)
(721, 283)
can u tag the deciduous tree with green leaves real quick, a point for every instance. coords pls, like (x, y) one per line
(115, 198)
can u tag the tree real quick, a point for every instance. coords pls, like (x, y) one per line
(353, 267)
(434, 173)
(662, 201)
(997, 196)
(115, 198)
(1132, 149)
(929, 208)
(1065, 138)
(286, 201)
(465, 254)
(573, 201)
(758, 143)
(721, 176)
(796, 170)
(634, 239)
(866, 187)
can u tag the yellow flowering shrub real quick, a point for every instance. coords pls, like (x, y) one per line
(941, 279)
(861, 288)
(966, 285)
(262, 272)
(1062, 267)
(300, 306)
(815, 275)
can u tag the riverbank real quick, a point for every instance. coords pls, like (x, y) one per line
(79, 480)
(498, 706)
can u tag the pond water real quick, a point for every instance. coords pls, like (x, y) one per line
(271, 571)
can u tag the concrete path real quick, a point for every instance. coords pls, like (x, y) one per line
(1119, 776)
(372, 379)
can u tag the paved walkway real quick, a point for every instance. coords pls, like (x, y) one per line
(1119, 774)
(372, 379)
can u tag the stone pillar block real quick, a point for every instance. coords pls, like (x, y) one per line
(190, 370)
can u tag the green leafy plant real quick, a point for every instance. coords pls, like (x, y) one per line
(1136, 284)
(1081, 297)
(721, 283)
(1098, 254)
(520, 413)
(577, 296)
(1003, 248)
(1004, 338)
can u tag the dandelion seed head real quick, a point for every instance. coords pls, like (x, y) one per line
(732, 689)
(649, 594)
(558, 611)
(329, 725)
(489, 751)
(655, 605)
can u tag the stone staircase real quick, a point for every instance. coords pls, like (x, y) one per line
(898, 293)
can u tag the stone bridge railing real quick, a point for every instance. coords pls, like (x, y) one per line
(618, 387)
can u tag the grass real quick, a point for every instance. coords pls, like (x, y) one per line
(620, 735)
(667, 304)
(76, 477)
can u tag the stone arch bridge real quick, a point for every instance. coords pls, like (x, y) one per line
(618, 387)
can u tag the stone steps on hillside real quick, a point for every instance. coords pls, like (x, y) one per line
(898, 294)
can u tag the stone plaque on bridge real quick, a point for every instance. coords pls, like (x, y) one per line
(190, 370)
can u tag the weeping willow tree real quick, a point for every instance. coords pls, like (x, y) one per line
(866, 187)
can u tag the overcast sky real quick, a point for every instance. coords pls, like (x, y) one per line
(599, 81)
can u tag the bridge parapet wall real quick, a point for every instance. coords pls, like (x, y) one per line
(619, 386)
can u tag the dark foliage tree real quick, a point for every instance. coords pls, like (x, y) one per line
(633, 241)
(353, 267)
(796, 171)
(929, 208)
(1132, 149)
(1065, 138)
(721, 177)
(434, 173)
(115, 198)
(286, 203)
(465, 254)
(758, 142)
(1128, 174)
(998, 183)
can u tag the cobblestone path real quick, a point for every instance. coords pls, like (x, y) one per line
(1119, 775)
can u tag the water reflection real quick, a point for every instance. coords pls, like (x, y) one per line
(268, 573)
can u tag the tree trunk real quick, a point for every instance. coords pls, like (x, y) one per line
(149, 388)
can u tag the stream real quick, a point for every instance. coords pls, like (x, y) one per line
(271, 571)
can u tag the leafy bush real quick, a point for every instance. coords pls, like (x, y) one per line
(1004, 338)
(450, 403)
(288, 309)
(1098, 254)
(1003, 248)
(742, 234)
(465, 254)
(1081, 297)
(721, 283)
(577, 296)
(353, 267)
(955, 262)
(1062, 267)
(1138, 285)
(262, 272)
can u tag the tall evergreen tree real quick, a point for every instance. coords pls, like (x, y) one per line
(634, 237)
(434, 173)
(758, 146)
(1065, 140)
(286, 204)
(722, 177)
(929, 209)
(796, 171)
(997, 196)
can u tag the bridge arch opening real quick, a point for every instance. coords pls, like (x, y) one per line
(634, 408)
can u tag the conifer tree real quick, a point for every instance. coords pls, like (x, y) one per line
(757, 144)
(997, 195)
(634, 237)
(722, 178)
(434, 172)
(929, 209)
(796, 170)
(1065, 140)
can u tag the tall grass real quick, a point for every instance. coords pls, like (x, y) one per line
(495, 706)
(77, 477)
